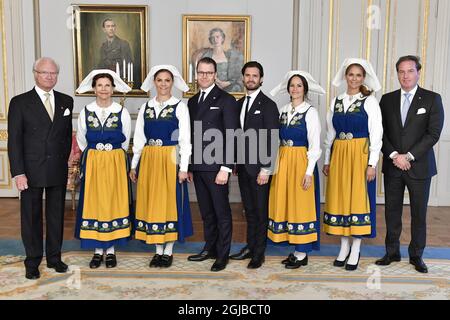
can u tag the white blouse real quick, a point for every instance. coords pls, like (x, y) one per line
(313, 127)
(184, 125)
(375, 126)
(102, 115)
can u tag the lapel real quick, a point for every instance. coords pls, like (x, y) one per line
(398, 106)
(210, 100)
(59, 108)
(257, 103)
(415, 104)
(37, 107)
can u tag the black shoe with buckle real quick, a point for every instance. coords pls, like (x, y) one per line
(290, 257)
(111, 261)
(96, 261)
(296, 263)
(166, 261)
(156, 261)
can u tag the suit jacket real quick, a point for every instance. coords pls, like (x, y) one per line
(219, 111)
(423, 126)
(113, 53)
(38, 147)
(263, 114)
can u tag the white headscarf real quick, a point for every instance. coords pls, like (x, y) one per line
(312, 84)
(371, 79)
(178, 81)
(86, 84)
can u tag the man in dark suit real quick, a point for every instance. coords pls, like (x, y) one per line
(412, 123)
(39, 143)
(257, 151)
(213, 112)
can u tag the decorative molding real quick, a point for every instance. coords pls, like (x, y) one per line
(3, 135)
(424, 43)
(4, 108)
(37, 29)
(5, 175)
(295, 34)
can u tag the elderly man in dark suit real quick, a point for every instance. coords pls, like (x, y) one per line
(412, 122)
(260, 124)
(39, 143)
(213, 112)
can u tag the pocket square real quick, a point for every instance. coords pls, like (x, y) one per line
(214, 108)
(66, 113)
(421, 111)
(258, 112)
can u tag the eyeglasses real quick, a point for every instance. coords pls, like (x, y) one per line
(208, 73)
(46, 73)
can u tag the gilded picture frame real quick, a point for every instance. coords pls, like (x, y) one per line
(111, 37)
(226, 39)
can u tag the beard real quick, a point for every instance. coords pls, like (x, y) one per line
(252, 86)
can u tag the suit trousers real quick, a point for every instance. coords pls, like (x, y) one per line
(419, 190)
(32, 223)
(255, 198)
(215, 211)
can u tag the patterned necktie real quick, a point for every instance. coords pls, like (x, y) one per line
(48, 105)
(246, 110)
(405, 107)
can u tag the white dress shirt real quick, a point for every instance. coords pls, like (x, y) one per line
(314, 128)
(102, 115)
(184, 125)
(207, 91)
(42, 93)
(252, 99)
(402, 100)
(375, 126)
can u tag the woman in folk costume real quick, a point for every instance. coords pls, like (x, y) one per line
(104, 129)
(162, 139)
(294, 201)
(352, 147)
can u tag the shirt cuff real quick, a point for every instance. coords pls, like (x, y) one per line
(412, 157)
(266, 171)
(19, 175)
(393, 154)
(226, 169)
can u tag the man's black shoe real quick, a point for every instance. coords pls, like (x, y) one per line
(32, 274)
(387, 260)
(59, 266)
(419, 265)
(242, 255)
(256, 263)
(219, 265)
(202, 256)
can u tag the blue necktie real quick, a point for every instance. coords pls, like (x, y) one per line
(405, 107)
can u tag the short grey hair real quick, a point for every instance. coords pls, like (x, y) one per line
(40, 60)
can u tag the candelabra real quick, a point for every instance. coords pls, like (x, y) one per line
(122, 100)
(193, 86)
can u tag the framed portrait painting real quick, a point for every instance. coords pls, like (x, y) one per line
(224, 38)
(111, 37)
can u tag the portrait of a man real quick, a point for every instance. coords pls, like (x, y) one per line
(114, 50)
(111, 37)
